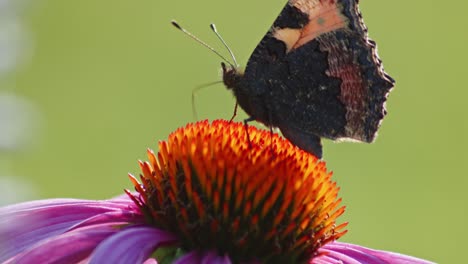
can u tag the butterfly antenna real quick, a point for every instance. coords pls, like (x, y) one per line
(175, 24)
(194, 91)
(213, 27)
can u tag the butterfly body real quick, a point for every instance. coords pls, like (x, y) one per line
(315, 74)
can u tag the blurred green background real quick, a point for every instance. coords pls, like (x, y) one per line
(110, 78)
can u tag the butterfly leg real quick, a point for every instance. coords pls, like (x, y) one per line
(270, 117)
(306, 141)
(235, 113)
(246, 127)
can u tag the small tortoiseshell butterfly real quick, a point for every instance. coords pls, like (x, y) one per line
(314, 74)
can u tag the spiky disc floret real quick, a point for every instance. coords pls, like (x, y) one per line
(265, 200)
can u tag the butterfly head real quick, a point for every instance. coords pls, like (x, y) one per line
(231, 76)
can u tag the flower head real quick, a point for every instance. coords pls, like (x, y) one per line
(211, 194)
(264, 199)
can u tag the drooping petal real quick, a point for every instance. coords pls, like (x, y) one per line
(70, 247)
(132, 245)
(26, 224)
(337, 252)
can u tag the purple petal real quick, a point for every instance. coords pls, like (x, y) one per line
(193, 257)
(26, 224)
(132, 245)
(213, 258)
(338, 252)
(70, 247)
(150, 261)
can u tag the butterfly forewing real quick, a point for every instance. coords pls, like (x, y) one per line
(316, 74)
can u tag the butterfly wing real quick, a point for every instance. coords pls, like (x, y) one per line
(320, 73)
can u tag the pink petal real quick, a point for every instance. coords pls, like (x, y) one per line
(338, 252)
(150, 261)
(26, 224)
(70, 247)
(132, 245)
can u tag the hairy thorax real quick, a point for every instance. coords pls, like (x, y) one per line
(252, 104)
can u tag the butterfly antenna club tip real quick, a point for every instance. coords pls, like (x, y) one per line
(213, 27)
(186, 32)
(175, 24)
(215, 30)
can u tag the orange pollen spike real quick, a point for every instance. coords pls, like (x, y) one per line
(199, 206)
